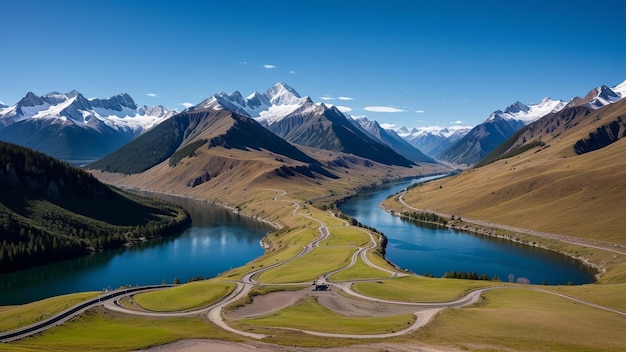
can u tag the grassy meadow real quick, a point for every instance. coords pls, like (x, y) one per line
(309, 315)
(193, 295)
(506, 319)
(522, 320)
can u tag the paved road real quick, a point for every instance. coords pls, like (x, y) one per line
(69, 313)
(424, 312)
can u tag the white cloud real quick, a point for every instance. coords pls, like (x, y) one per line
(186, 105)
(419, 111)
(457, 122)
(2, 103)
(292, 72)
(382, 109)
(326, 97)
(153, 95)
(388, 126)
(343, 108)
(243, 62)
(269, 67)
(345, 98)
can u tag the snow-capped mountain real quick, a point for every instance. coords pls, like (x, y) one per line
(70, 126)
(118, 112)
(600, 96)
(433, 140)
(528, 113)
(301, 121)
(501, 125)
(267, 108)
(391, 139)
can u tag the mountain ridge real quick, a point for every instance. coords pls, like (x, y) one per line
(501, 125)
(72, 127)
(531, 187)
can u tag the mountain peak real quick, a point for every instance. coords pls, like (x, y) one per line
(72, 93)
(599, 97)
(620, 89)
(116, 103)
(282, 94)
(30, 99)
(269, 107)
(516, 107)
(528, 113)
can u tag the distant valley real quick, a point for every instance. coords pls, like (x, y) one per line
(230, 149)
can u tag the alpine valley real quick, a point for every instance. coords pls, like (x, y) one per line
(228, 147)
(546, 176)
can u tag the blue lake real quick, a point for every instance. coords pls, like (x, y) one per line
(217, 240)
(436, 250)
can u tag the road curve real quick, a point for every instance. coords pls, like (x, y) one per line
(424, 311)
(71, 312)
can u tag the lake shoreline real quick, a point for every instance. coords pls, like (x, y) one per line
(459, 224)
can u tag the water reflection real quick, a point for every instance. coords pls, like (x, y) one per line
(217, 240)
(435, 250)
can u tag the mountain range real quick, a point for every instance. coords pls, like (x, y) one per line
(433, 140)
(301, 121)
(563, 173)
(71, 127)
(500, 125)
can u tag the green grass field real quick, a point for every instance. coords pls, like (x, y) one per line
(189, 296)
(522, 320)
(310, 266)
(309, 315)
(13, 317)
(420, 289)
(346, 236)
(101, 330)
(359, 271)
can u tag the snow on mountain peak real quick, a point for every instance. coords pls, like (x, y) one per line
(528, 113)
(119, 111)
(282, 94)
(439, 131)
(516, 107)
(620, 89)
(277, 102)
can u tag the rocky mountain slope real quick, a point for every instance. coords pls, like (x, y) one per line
(391, 139)
(301, 121)
(501, 125)
(564, 174)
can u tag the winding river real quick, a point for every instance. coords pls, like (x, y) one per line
(435, 250)
(219, 240)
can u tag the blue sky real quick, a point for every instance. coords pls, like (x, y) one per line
(430, 62)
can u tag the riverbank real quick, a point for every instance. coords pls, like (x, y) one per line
(581, 249)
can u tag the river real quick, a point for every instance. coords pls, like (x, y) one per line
(436, 250)
(217, 240)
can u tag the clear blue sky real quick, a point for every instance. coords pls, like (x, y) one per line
(439, 62)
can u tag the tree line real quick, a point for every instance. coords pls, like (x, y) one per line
(51, 211)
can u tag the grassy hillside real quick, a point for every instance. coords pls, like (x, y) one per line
(52, 211)
(548, 186)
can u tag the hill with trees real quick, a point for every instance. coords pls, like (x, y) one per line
(51, 211)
